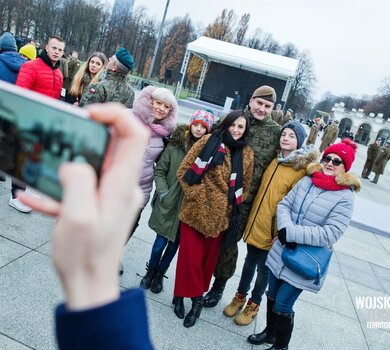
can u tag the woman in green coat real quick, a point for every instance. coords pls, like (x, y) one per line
(169, 195)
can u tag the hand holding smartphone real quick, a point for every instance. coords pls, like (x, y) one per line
(93, 221)
(38, 134)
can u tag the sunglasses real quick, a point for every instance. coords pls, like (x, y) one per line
(335, 161)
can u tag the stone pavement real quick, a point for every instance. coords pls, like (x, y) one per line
(29, 288)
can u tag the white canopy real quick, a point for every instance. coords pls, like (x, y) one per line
(242, 57)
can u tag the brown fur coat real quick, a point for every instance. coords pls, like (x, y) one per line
(205, 206)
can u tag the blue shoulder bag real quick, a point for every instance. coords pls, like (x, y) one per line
(310, 262)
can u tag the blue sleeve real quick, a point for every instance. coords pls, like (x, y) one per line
(120, 325)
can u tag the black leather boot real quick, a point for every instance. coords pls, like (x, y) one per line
(148, 278)
(214, 295)
(193, 315)
(268, 334)
(157, 284)
(283, 328)
(179, 306)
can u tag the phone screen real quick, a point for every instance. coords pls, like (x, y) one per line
(38, 134)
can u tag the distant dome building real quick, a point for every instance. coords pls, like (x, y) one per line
(365, 128)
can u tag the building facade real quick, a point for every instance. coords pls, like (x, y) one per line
(365, 129)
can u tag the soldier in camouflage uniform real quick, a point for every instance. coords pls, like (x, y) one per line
(115, 88)
(264, 139)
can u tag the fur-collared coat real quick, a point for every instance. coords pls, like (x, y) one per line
(312, 216)
(278, 179)
(205, 205)
(143, 110)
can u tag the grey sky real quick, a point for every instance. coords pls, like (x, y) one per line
(346, 38)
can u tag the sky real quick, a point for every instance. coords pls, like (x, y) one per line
(347, 39)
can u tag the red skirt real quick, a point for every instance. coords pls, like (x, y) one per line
(195, 263)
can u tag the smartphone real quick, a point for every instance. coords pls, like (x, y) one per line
(38, 134)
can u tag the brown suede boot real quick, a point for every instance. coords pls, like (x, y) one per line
(235, 305)
(246, 316)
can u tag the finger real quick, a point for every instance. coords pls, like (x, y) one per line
(127, 146)
(43, 205)
(79, 203)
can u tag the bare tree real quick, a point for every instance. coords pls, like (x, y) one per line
(178, 36)
(302, 89)
(289, 50)
(223, 26)
(242, 28)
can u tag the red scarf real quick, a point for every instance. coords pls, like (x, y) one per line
(326, 182)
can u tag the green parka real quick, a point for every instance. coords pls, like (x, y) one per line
(165, 214)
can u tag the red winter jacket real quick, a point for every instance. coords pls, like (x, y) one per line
(40, 76)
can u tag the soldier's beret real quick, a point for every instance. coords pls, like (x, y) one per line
(266, 92)
(125, 58)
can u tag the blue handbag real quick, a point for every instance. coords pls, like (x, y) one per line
(308, 261)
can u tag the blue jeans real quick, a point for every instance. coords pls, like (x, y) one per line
(161, 243)
(254, 258)
(284, 295)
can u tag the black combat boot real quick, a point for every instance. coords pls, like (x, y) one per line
(148, 278)
(179, 306)
(214, 295)
(268, 334)
(193, 315)
(157, 284)
(283, 328)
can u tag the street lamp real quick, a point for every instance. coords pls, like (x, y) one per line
(157, 42)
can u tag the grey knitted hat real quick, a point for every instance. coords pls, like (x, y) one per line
(298, 129)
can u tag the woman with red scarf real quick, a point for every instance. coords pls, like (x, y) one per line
(215, 176)
(315, 212)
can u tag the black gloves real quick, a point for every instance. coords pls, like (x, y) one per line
(282, 233)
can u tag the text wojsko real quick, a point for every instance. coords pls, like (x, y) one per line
(370, 303)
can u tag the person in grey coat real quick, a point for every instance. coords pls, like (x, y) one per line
(315, 212)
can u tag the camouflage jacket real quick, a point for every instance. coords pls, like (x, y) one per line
(264, 140)
(115, 88)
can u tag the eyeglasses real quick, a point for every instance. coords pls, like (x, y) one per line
(335, 161)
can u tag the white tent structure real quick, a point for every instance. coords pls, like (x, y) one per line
(265, 63)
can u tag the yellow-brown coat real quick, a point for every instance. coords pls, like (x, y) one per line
(278, 179)
(205, 205)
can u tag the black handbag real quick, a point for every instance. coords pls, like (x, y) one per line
(308, 261)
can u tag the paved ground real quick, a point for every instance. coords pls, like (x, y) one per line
(29, 289)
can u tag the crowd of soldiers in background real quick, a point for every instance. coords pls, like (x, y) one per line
(378, 153)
